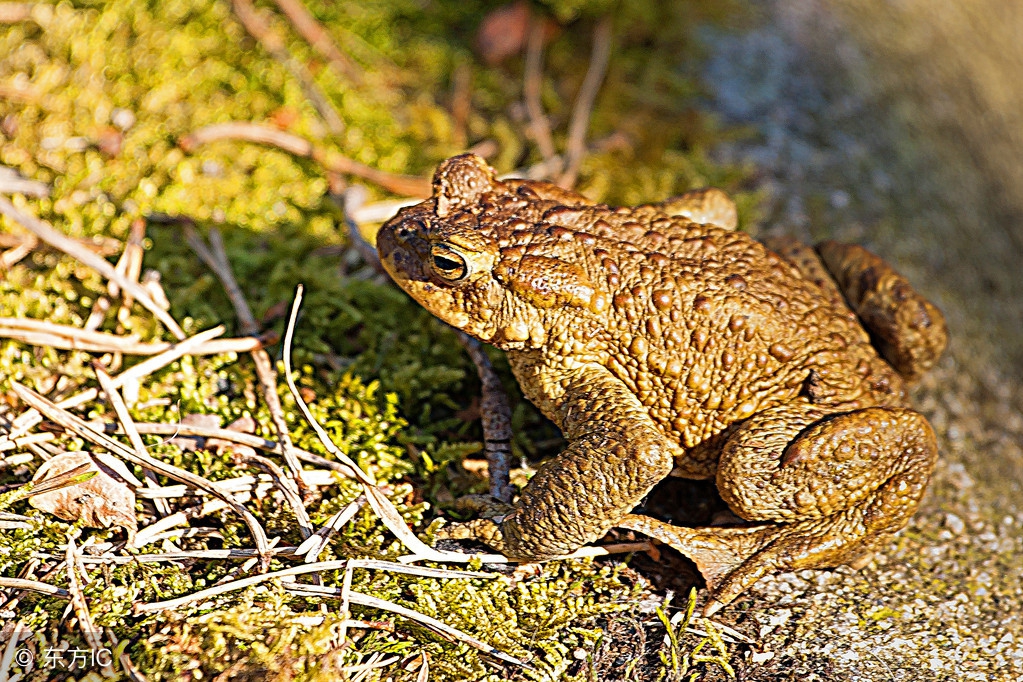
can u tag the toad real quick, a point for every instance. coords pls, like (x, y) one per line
(661, 341)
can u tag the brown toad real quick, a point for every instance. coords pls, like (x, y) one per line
(658, 339)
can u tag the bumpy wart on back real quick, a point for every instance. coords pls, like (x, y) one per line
(661, 340)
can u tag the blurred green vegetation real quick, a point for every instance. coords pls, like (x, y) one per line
(93, 98)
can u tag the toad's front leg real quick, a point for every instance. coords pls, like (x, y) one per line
(615, 456)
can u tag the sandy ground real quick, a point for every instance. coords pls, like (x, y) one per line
(847, 145)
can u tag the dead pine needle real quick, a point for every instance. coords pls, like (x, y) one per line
(51, 236)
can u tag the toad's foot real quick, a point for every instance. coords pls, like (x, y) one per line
(485, 529)
(732, 559)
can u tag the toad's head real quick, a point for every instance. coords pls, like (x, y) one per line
(476, 256)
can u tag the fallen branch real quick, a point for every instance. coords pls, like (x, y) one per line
(72, 248)
(329, 160)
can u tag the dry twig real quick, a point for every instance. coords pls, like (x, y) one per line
(531, 90)
(329, 160)
(317, 36)
(576, 148)
(71, 247)
(495, 413)
(259, 28)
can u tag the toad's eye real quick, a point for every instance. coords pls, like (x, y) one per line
(448, 264)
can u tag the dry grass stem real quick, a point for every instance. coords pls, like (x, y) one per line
(181, 517)
(287, 487)
(128, 424)
(20, 631)
(31, 417)
(81, 607)
(13, 255)
(72, 248)
(34, 586)
(65, 337)
(130, 266)
(232, 436)
(215, 257)
(580, 121)
(374, 495)
(442, 629)
(329, 160)
(254, 485)
(314, 544)
(335, 565)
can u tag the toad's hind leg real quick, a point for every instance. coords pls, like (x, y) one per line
(820, 489)
(906, 328)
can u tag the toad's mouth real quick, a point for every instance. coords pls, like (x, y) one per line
(402, 256)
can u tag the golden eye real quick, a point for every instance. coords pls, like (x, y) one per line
(447, 263)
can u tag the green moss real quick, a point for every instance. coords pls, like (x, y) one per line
(94, 98)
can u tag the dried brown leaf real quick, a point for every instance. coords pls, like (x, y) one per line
(107, 499)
